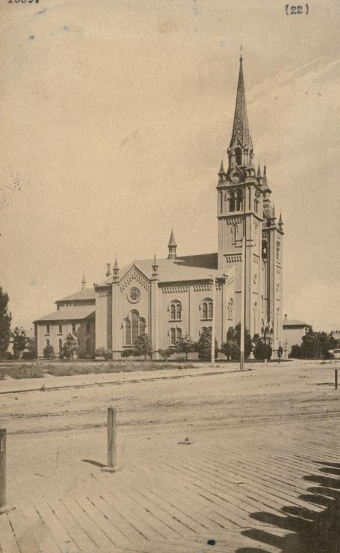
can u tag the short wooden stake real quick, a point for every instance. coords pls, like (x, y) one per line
(336, 379)
(4, 508)
(111, 440)
(3, 434)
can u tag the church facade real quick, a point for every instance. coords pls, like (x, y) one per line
(174, 296)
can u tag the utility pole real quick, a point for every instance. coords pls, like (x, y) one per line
(243, 290)
(243, 283)
(213, 325)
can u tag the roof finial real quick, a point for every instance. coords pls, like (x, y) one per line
(116, 271)
(83, 284)
(172, 246)
(155, 267)
(108, 269)
(241, 57)
(280, 222)
(221, 171)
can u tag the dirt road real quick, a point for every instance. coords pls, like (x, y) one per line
(52, 433)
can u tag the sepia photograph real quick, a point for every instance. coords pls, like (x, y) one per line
(169, 284)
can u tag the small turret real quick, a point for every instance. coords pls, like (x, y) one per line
(221, 172)
(280, 223)
(155, 267)
(259, 177)
(172, 246)
(116, 271)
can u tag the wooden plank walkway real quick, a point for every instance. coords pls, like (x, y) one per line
(248, 489)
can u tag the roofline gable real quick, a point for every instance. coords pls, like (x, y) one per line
(134, 272)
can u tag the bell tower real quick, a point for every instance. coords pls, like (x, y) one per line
(239, 213)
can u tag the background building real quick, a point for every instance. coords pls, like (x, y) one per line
(293, 332)
(172, 297)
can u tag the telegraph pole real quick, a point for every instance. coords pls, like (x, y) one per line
(243, 290)
(243, 283)
(213, 325)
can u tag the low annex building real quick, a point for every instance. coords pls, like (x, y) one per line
(75, 315)
(172, 297)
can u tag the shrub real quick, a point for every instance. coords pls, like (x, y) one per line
(85, 355)
(49, 352)
(203, 346)
(127, 353)
(166, 353)
(262, 351)
(69, 348)
(295, 352)
(103, 352)
(143, 346)
(28, 355)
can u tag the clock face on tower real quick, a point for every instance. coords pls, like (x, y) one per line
(236, 177)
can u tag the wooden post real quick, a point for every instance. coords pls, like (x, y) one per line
(111, 437)
(336, 379)
(3, 433)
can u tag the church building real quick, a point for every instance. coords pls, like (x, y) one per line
(171, 297)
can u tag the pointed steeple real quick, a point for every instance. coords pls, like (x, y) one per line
(83, 284)
(221, 171)
(241, 126)
(172, 246)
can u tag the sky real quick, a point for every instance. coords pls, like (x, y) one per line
(115, 116)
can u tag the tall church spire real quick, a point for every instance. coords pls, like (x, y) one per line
(240, 150)
(241, 126)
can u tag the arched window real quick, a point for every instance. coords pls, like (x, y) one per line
(88, 345)
(230, 309)
(277, 251)
(142, 325)
(175, 310)
(221, 201)
(207, 309)
(205, 328)
(127, 338)
(264, 249)
(232, 202)
(239, 202)
(134, 326)
(47, 342)
(172, 336)
(238, 153)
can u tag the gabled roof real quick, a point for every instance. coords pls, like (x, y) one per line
(191, 267)
(87, 294)
(69, 314)
(296, 323)
(184, 268)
